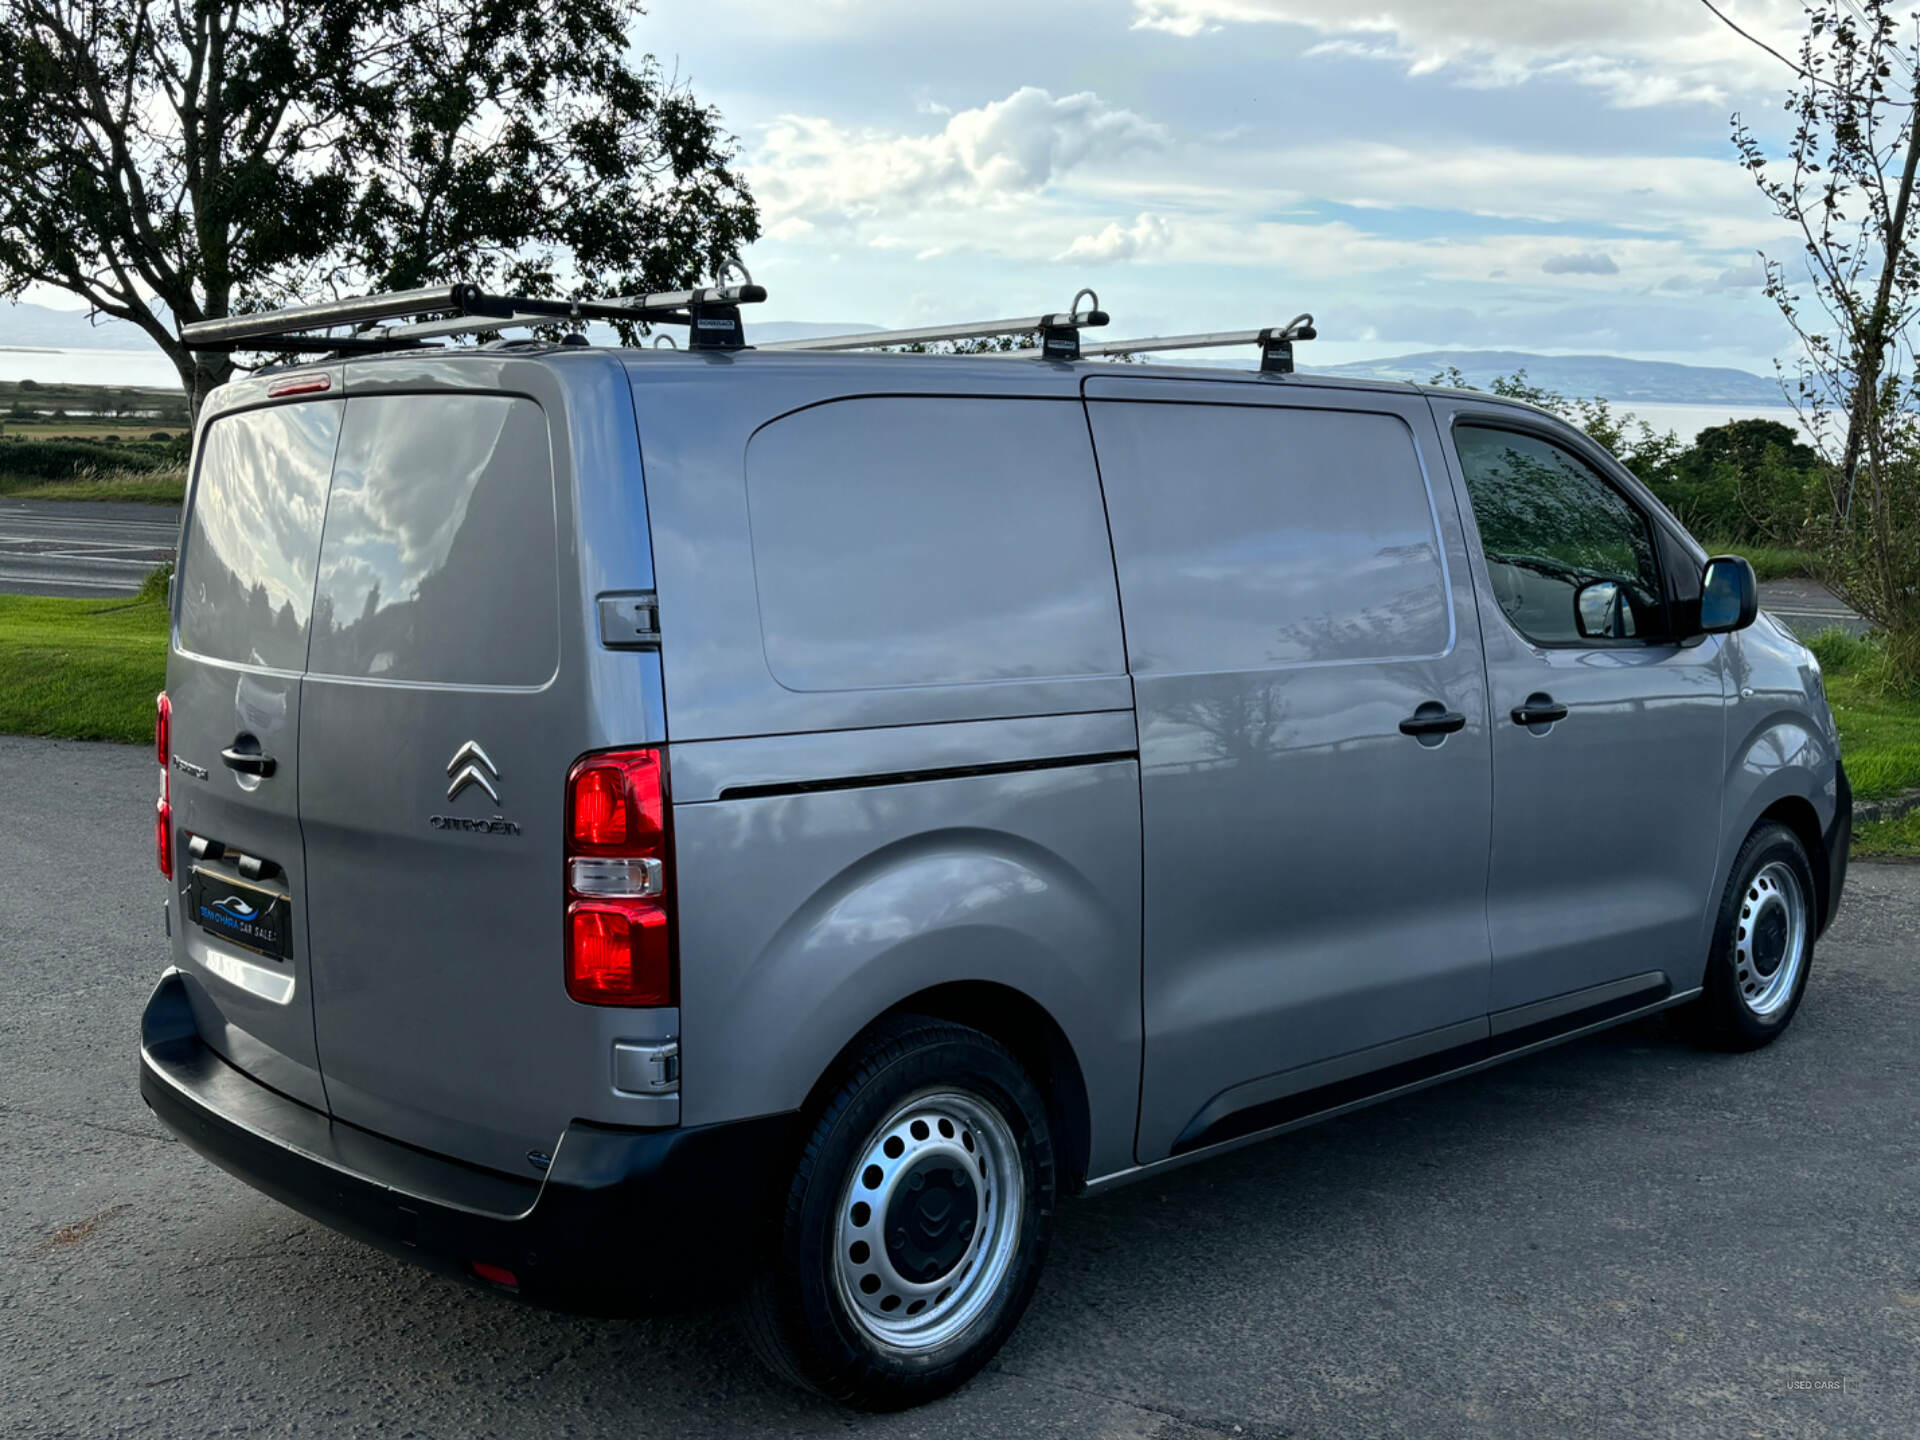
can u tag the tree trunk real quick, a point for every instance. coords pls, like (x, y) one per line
(1873, 346)
(199, 373)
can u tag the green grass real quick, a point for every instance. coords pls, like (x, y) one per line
(1879, 735)
(1770, 562)
(1889, 837)
(154, 487)
(82, 669)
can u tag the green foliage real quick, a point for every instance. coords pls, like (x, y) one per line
(67, 459)
(153, 589)
(81, 669)
(145, 487)
(170, 162)
(1750, 482)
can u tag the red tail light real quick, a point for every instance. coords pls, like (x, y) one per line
(619, 938)
(163, 807)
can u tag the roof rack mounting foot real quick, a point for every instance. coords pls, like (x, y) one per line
(1276, 344)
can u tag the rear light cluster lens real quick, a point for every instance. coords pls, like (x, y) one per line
(619, 889)
(163, 807)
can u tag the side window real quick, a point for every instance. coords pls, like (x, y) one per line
(931, 541)
(1256, 536)
(1551, 527)
(246, 577)
(438, 560)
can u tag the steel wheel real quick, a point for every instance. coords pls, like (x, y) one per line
(1770, 938)
(929, 1220)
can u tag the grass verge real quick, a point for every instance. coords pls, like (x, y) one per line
(1879, 735)
(1770, 562)
(82, 669)
(149, 487)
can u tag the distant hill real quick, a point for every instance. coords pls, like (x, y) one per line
(42, 327)
(1586, 376)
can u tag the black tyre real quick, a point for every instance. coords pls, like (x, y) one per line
(1762, 943)
(917, 1222)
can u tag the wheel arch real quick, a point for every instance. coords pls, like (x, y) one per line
(1027, 1029)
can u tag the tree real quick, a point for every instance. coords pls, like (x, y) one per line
(177, 160)
(1844, 182)
(1650, 454)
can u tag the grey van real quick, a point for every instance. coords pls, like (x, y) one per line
(648, 826)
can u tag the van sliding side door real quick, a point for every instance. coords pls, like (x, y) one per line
(1314, 750)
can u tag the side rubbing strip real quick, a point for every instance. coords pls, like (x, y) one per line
(911, 777)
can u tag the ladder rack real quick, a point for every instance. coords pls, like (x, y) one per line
(711, 314)
(1059, 334)
(1275, 342)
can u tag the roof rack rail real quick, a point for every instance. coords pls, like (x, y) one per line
(1059, 333)
(1275, 342)
(711, 314)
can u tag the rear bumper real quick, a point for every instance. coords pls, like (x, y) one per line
(1838, 844)
(625, 1221)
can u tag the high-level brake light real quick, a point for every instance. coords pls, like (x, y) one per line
(619, 940)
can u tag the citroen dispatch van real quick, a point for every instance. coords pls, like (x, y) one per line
(668, 826)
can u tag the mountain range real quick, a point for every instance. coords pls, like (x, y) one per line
(1607, 376)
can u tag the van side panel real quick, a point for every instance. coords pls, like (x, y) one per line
(902, 744)
(698, 418)
(803, 917)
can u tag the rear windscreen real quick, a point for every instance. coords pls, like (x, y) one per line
(438, 560)
(246, 576)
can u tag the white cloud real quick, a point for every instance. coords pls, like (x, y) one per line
(1638, 52)
(812, 169)
(1147, 235)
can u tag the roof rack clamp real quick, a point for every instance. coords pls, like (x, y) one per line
(1276, 344)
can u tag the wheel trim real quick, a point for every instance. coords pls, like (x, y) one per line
(942, 1131)
(1770, 939)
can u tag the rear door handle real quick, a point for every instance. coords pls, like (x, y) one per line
(247, 762)
(1539, 710)
(1433, 722)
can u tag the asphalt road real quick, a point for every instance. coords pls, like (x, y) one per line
(1808, 607)
(50, 547)
(1623, 1237)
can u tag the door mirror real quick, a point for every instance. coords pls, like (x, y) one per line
(1729, 595)
(1600, 611)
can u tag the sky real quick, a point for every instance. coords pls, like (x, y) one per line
(1544, 175)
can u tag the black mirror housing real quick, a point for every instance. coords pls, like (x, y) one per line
(1729, 595)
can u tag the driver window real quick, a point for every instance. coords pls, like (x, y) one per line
(1551, 528)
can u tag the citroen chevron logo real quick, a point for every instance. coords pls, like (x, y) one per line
(472, 766)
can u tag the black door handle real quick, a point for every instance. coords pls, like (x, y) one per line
(1434, 722)
(1539, 710)
(247, 762)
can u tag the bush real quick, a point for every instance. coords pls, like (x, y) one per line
(64, 459)
(153, 589)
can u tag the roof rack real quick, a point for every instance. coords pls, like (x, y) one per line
(1275, 342)
(710, 313)
(1059, 333)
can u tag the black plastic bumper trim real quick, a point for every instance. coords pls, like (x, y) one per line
(625, 1222)
(1838, 844)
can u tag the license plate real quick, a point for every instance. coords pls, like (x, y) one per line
(241, 914)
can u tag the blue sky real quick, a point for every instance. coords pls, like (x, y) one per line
(1548, 175)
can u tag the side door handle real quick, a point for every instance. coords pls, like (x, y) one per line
(1430, 719)
(1540, 709)
(247, 762)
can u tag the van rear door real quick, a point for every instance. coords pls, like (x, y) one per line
(435, 745)
(243, 601)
